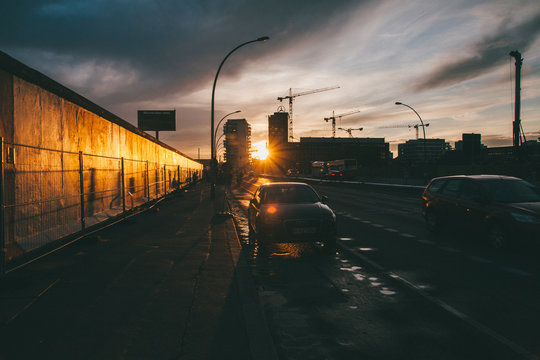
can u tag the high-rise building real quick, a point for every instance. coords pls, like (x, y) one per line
(237, 143)
(278, 130)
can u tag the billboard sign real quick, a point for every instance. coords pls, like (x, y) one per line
(156, 120)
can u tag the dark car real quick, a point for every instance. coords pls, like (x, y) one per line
(502, 208)
(291, 212)
(293, 172)
(334, 175)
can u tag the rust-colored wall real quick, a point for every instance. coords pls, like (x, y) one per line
(48, 131)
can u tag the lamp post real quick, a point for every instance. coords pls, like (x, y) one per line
(423, 131)
(213, 164)
(220, 121)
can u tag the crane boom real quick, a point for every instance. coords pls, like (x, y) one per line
(333, 118)
(291, 96)
(349, 130)
(415, 126)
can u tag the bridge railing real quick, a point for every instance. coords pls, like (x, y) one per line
(47, 195)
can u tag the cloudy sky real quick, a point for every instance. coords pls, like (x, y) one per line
(448, 59)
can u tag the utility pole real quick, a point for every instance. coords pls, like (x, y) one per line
(517, 120)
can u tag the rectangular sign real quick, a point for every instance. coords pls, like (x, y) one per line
(156, 120)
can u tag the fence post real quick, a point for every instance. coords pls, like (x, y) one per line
(147, 190)
(123, 189)
(178, 177)
(3, 249)
(81, 188)
(165, 179)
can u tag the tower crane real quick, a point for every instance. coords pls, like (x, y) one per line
(349, 130)
(333, 118)
(415, 126)
(291, 96)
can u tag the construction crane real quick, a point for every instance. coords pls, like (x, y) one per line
(349, 130)
(291, 96)
(334, 117)
(415, 126)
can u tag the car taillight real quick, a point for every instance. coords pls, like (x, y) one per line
(271, 210)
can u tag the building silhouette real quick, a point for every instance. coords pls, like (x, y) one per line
(237, 143)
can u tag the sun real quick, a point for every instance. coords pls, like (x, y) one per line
(259, 150)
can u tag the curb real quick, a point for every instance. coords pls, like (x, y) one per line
(261, 344)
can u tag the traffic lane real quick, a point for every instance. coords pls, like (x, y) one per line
(337, 307)
(377, 206)
(403, 216)
(504, 301)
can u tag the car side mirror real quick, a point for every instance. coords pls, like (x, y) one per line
(324, 199)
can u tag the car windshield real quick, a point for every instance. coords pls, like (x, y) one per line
(511, 191)
(290, 194)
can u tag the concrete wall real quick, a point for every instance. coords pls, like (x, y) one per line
(58, 138)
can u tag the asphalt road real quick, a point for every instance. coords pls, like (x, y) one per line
(392, 290)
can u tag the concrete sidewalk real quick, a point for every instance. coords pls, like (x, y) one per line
(171, 283)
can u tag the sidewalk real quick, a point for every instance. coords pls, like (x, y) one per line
(171, 283)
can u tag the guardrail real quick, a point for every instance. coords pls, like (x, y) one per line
(418, 188)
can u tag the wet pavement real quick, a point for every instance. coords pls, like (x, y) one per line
(347, 305)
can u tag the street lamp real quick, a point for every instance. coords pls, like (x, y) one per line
(423, 131)
(220, 121)
(212, 144)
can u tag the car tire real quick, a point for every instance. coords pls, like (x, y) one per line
(433, 223)
(497, 236)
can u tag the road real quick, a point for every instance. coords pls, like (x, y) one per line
(392, 290)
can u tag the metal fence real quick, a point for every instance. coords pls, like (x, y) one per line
(47, 195)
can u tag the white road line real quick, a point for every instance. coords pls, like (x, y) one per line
(480, 259)
(377, 225)
(407, 235)
(449, 249)
(450, 309)
(391, 230)
(366, 222)
(516, 271)
(425, 242)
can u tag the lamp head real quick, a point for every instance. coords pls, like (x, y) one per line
(264, 38)
(399, 103)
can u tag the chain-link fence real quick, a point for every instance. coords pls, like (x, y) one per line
(47, 195)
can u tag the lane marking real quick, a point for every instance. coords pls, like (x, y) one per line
(377, 225)
(516, 271)
(425, 242)
(480, 259)
(407, 235)
(391, 230)
(32, 302)
(449, 249)
(450, 309)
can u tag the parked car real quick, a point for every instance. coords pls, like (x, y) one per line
(293, 172)
(291, 212)
(502, 208)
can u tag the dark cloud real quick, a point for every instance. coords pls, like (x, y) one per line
(170, 45)
(485, 55)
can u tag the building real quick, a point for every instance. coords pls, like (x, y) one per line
(422, 151)
(366, 151)
(278, 130)
(237, 143)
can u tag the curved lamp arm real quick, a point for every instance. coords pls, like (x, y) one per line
(264, 38)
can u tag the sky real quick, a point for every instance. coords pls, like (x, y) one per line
(447, 59)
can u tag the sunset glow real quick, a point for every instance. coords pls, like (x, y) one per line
(260, 151)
